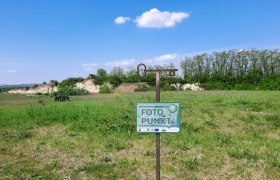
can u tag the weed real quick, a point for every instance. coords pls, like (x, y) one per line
(190, 128)
(114, 144)
(223, 140)
(274, 160)
(208, 112)
(41, 101)
(242, 154)
(19, 135)
(183, 145)
(191, 163)
(148, 153)
(274, 120)
(254, 132)
(106, 159)
(56, 164)
(24, 171)
(240, 169)
(100, 170)
(123, 163)
(211, 123)
(251, 118)
(241, 102)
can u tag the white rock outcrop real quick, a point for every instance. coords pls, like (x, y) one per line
(193, 87)
(45, 88)
(88, 85)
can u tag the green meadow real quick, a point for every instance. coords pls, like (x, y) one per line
(223, 135)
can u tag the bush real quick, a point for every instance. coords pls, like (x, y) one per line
(228, 86)
(100, 79)
(270, 83)
(77, 91)
(245, 86)
(167, 87)
(142, 87)
(69, 83)
(105, 88)
(65, 93)
(61, 95)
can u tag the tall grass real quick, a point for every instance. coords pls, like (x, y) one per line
(223, 134)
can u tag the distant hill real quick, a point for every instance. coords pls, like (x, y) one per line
(5, 87)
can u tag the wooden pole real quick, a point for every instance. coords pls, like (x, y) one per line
(157, 134)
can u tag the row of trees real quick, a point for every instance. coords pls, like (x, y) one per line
(233, 67)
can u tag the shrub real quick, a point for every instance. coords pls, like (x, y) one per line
(191, 163)
(105, 88)
(65, 93)
(77, 91)
(61, 95)
(270, 83)
(244, 86)
(142, 87)
(69, 83)
(167, 87)
(100, 79)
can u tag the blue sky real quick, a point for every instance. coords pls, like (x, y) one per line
(55, 39)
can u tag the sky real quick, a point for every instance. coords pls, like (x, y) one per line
(56, 39)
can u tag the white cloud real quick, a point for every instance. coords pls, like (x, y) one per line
(148, 61)
(89, 65)
(160, 19)
(121, 20)
(166, 57)
(125, 62)
(77, 74)
(11, 71)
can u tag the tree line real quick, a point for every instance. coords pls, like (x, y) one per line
(234, 69)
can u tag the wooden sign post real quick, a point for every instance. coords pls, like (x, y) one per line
(141, 70)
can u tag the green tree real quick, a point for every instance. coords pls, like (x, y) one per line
(101, 76)
(54, 82)
(101, 72)
(131, 76)
(69, 82)
(117, 76)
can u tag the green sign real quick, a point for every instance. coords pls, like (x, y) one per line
(158, 117)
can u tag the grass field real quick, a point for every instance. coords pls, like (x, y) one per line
(224, 134)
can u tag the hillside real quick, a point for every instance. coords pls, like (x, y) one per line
(49, 88)
(91, 87)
